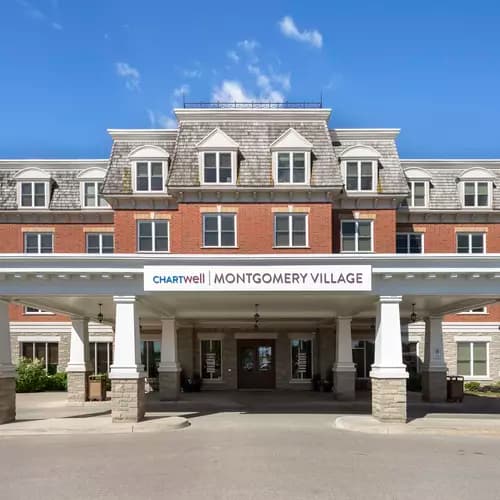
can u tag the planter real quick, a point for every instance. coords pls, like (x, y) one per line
(97, 388)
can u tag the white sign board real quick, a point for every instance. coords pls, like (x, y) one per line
(254, 278)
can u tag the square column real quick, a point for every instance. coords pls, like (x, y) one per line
(7, 370)
(78, 368)
(388, 373)
(169, 371)
(344, 371)
(127, 373)
(434, 370)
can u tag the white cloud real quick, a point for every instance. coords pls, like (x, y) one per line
(248, 45)
(289, 29)
(130, 74)
(38, 15)
(233, 56)
(231, 91)
(57, 26)
(265, 83)
(159, 120)
(181, 91)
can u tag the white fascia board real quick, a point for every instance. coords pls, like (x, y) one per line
(142, 134)
(449, 163)
(256, 114)
(365, 133)
(50, 163)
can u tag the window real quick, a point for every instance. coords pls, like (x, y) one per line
(151, 357)
(149, 176)
(211, 359)
(301, 362)
(92, 197)
(359, 176)
(471, 242)
(35, 310)
(410, 357)
(47, 352)
(409, 243)
(100, 242)
(152, 236)
(476, 310)
(291, 168)
(290, 230)
(38, 242)
(476, 194)
(34, 194)
(363, 355)
(472, 359)
(418, 194)
(217, 168)
(219, 230)
(357, 236)
(101, 356)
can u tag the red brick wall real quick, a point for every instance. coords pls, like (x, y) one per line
(493, 315)
(16, 313)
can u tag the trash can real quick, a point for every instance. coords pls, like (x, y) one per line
(455, 388)
(97, 388)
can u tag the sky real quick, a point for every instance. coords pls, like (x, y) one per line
(70, 69)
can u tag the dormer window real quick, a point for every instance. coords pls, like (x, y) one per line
(291, 154)
(476, 188)
(218, 155)
(359, 165)
(33, 188)
(149, 169)
(419, 182)
(91, 183)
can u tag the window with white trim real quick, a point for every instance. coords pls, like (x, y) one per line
(35, 310)
(34, 194)
(418, 194)
(472, 359)
(357, 236)
(301, 352)
(101, 356)
(219, 230)
(471, 242)
(38, 242)
(476, 194)
(360, 175)
(100, 242)
(476, 310)
(152, 235)
(290, 230)
(46, 352)
(92, 197)
(291, 167)
(409, 243)
(217, 167)
(211, 359)
(149, 176)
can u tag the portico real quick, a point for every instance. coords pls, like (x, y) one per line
(75, 284)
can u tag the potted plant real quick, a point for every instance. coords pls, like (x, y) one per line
(316, 382)
(328, 382)
(97, 387)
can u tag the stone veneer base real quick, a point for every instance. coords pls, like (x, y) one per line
(389, 399)
(127, 400)
(434, 388)
(344, 385)
(7, 400)
(169, 385)
(78, 387)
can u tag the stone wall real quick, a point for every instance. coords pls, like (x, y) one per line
(389, 399)
(127, 400)
(7, 400)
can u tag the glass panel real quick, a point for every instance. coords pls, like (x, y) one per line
(265, 353)
(482, 194)
(282, 235)
(225, 170)
(227, 222)
(31, 242)
(39, 194)
(477, 243)
(480, 367)
(89, 194)
(401, 243)
(352, 176)
(299, 170)
(419, 194)
(462, 243)
(161, 236)
(366, 176)
(364, 236)
(211, 359)
(107, 243)
(248, 359)
(27, 350)
(53, 358)
(156, 176)
(225, 160)
(415, 243)
(93, 243)
(298, 230)
(145, 236)
(227, 230)
(46, 243)
(210, 167)
(463, 358)
(211, 239)
(348, 236)
(142, 176)
(301, 359)
(40, 351)
(26, 199)
(283, 167)
(210, 222)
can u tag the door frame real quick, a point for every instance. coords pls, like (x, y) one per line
(255, 340)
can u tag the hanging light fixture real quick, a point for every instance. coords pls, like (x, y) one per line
(256, 317)
(100, 316)
(413, 315)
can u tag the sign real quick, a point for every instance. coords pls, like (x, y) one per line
(255, 278)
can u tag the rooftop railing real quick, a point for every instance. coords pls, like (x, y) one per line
(253, 105)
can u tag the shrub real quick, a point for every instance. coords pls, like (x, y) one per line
(472, 386)
(57, 382)
(31, 376)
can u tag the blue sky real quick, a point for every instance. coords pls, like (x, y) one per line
(71, 69)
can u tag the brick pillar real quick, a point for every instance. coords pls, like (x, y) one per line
(434, 370)
(127, 373)
(344, 371)
(7, 370)
(388, 372)
(78, 368)
(169, 371)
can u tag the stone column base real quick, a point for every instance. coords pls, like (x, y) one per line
(7, 400)
(170, 385)
(78, 387)
(127, 400)
(344, 385)
(434, 387)
(389, 399)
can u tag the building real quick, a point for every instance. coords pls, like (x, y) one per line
(258, 248)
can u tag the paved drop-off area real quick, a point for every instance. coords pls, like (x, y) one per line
(228, 455)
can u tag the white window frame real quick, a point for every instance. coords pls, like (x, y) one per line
(307, 167)
(41, 341)
(100, 242)
(470, 234)
(32, 206)
(212, 338)
(356, 239)
(408, 234)
(39, 241)
(153, 235)
(38, 312)
(164, 172)
(98, 196)
(308, 338)
(471, 343)
(411, 197)
(484, 310)
(476, 193)
(374, 164)
(219, 216)
(290, 229)
(217, 167)
(108, 358)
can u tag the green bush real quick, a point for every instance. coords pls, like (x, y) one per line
(472, 386)
(57, 382)
(31, 376)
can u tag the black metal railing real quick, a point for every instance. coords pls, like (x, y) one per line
(252, 105)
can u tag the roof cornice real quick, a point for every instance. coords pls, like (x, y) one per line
(52, 163)
(450, 163)
(161, 134)
(364, 133)
(235, 114)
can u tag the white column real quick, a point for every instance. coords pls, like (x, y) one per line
(169, 360)
(434, 370)
(344, 371)
(7, 369)
(79, 346)
(127, 354)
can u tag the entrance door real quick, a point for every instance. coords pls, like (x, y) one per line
(256, 364)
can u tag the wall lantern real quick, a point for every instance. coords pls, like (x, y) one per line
(100, 316)
(413, 315)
